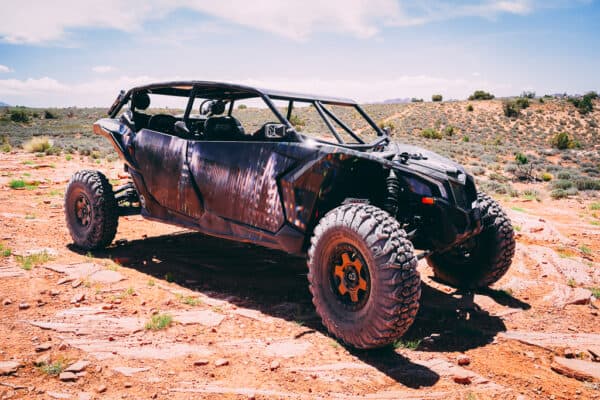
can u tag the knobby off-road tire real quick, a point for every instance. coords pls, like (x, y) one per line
(364, 247)
(489, 256)
(91, 210)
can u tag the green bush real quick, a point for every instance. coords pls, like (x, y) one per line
(521, 158)
(584, 104)
(522, 102)
(297, 121)
(415, 100)
(436, 97)
(470, 108)
(510, 109)
(465, 139)
(587, 184)
(564, 175)
(49, 115)
(450, 130)
(19, 116)
(37, 144)
(528, 95)
(547, 177)
(242, 107)
(481, 95)
(562, 141)
(431, 133)
(387, 124)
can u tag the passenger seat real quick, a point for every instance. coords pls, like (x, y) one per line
(224, 128)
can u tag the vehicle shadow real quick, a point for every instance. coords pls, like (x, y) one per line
(275, 284)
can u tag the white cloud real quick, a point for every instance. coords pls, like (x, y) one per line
(46, 91)
(4, 69)
(36, 22)
(103, 69)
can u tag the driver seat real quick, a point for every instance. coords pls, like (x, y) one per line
(223, 128)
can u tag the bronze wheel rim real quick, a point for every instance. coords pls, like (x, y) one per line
(349, 276)
(83, 210)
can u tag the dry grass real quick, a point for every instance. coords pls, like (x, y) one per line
(37, 144)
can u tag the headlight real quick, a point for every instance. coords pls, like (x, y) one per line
(418, 186)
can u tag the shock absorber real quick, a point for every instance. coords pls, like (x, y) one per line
(392, 196)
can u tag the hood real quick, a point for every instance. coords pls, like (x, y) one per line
(426, 161)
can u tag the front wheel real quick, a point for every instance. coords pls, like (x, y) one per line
(362, 275)
(91, 210)
(482, 260)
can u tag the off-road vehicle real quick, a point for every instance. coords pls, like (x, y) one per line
(245, 164)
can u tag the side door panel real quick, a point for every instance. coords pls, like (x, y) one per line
(238, 181)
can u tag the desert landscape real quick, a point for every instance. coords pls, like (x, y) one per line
(170, 314)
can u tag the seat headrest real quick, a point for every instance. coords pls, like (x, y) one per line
(141, 100)
(223, 128)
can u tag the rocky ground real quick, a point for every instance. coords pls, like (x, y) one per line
(238, 321)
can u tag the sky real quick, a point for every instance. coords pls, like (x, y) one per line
(81, 53)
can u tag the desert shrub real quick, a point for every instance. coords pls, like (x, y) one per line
(430, 133)
(587, 184)
(510, 109)
(242, 107)
(481, 95)
(465, 139)
(5, 144)
(436, 97)
(475, 170)
(450, 130)
(564, 175)
(19, 116)
(297, 121)
(37, 144)
(386, 124)
(49, 115)
(528, 95)
(558, 194)
(470, 108)
(562, 141)
(562, 184)
(546, 177)
(415, 100)
(522, 102)
(584, 104)
(521, 158)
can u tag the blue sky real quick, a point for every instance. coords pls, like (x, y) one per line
(65, 53)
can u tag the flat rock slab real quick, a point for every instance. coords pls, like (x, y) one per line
(9, 367)
(58, 395)
(578, 369)
(74, 271)
(106, 276)
(203, 317)
(287, 348)
(10, 271)
(130, 348)
(553, 340)
(130, 371)
(253, 314)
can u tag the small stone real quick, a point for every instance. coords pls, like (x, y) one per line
(42, 360)
(85, 396)
(67, 377)
(42, 347)
(462, 379)
(9, 367)
(62, 346)
(23, 306)
(77, 366)
(570, 353)
(274, 365)
(221, 362)
(78, 298)
(127, 385)
(6, 302)
(463, 360)
(76, 283)
(101, 389)
(54, 292)
(63, 280)
(199, 363)
(107, 306)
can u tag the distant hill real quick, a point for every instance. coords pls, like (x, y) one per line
(395, 101)
(3, 104)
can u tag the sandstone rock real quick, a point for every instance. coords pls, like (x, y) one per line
(221, 362)
(101, 389)
(77, 366)
(9, 367)
(462, 379)
(64, 280)
(67, 377)
(42, 360)
(594, 352)
(201, 362)
(54, 292)
(578, 369)
(129, 371)
(202, 317)
(78, 298)
(274, 365)
(579, 296)
(76, 283)
(23, 306)
(58, 395)
(463, 360)
(42, 347)
(106, 277)
(6, 302)
(85, 396)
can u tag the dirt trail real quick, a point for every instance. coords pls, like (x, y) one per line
(243, 322)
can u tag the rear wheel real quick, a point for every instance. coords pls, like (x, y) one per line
(362, 276)
(91, 210)
(485, 258)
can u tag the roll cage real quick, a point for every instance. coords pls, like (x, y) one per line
(231, 93)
